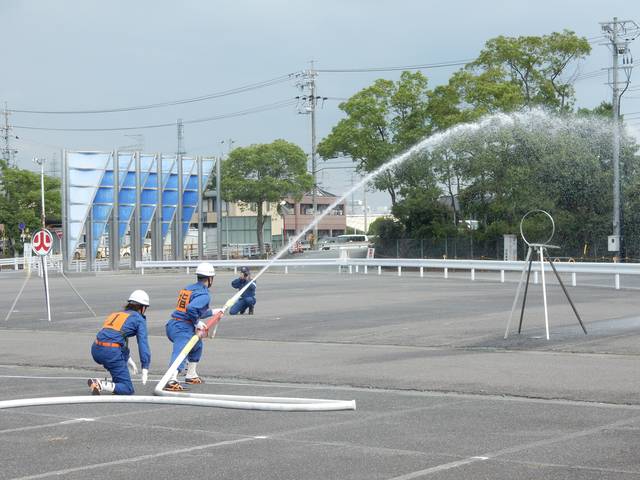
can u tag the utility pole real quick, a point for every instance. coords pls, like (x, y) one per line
(620, 33)
(8, 153)
(364, 201)
(308, 107)
(229, 143)
(180, 138)
(219, 207)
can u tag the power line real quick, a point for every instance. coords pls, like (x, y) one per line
(224, 93)
(453, 63)
(249, 111)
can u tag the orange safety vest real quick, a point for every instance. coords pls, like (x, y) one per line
(184, 297)
(115, 321)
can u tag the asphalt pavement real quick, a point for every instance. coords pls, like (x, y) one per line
(440, 393)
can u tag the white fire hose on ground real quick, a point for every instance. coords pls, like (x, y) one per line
(196, 399)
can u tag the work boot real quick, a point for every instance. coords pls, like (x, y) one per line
(194, 380)
(251, 310)
(192, 376)
(173, 386)
(99, 386)
(94, 385)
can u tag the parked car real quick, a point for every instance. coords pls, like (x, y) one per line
(352, 238)
(326, 243)
(125, 250)
(344, 241)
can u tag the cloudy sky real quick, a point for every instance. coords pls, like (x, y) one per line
(70, 55)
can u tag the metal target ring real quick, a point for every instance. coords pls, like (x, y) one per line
(553, 226)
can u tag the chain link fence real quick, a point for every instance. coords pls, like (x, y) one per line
(470, 247)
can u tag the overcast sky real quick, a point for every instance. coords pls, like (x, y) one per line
(89, 54)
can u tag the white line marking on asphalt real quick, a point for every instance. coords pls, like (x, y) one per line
(439, 468)
(517, 449)
(47, 425)
(134, 459)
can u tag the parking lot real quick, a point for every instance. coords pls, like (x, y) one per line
(439, 392)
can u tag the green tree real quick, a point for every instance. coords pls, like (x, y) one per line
(387, 231)
(265, 173)
(536, 65)
(20, 202)
(381, 121)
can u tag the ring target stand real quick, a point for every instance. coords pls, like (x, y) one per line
(542, 250)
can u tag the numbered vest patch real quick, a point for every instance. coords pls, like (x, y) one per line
(183, 300)
(115, 321)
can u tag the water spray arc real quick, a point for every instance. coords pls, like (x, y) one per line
(528, 118)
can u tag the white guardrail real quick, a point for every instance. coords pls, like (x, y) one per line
(351, 264)
(32, 262)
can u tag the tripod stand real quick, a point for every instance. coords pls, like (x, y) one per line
(541, 249)
(43, 259)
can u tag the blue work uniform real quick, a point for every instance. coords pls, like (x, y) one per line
(248, 297)
(192, 306)
(111, 349)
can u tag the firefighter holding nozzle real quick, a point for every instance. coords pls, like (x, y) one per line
(247, 300)
(192, 307)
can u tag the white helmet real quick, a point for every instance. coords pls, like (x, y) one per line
(139, 296)
(205, 269)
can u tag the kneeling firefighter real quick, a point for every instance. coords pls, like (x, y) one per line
(111, 349)
(248, 298)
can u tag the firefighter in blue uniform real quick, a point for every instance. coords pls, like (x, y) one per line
(111, 350)
(192, 306)
(248, 298)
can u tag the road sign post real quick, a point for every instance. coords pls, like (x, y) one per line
(41, 243)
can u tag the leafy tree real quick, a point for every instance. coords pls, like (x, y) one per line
(536, 65)
(265, 173)
(387, 232)
(20, 202)
(605, 109)
(381, 121)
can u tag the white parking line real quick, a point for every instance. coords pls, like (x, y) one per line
(135, 459)
(47, 425)
(439, 468)
(517, 449)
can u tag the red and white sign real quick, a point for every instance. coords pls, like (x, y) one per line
(42, 242)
